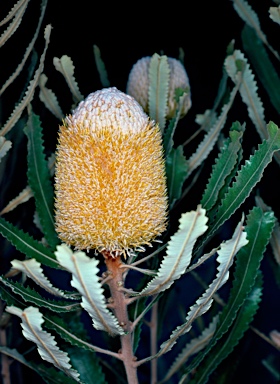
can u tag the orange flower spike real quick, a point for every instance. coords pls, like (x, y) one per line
(110, 182)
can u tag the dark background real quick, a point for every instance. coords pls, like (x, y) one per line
(126, 33)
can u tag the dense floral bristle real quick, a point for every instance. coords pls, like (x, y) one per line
(110, 180)
(138, 84)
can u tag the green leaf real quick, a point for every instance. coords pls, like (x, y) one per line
(248, 176)
(176, 171)
(39, 179)
(27, 245)
(101, 67)
(159, 73)
(262, 65)
(222, 168)
(31, 296)
(231, 339)
(259, 227)
(87, 364)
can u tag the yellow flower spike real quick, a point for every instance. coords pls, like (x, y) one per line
(138, 84)
(110, 183)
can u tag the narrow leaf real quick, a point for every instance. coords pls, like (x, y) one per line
(27, 245)
(48, 374)
(258, 228)
(30, 90)
(179, 251)
(5, 145)
(31, 296)
(222, 168)
(248, 176)
(226, 254)
(48, 97)
(246, 12)
(159, 73)
(34, 271)
(19, 68)
(248, 90)
(39, 178)
(274, 14)
(176, 171)
(227, 344)
(262, 65)
(85, 279)
(32, 321)
(23, 196)
(65, 66)
(207, 144)
(101, 67)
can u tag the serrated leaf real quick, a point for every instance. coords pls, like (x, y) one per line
(246, 12)
(27, 245)
(32, 321)
(179, 251)
(85, 279)
(34, 271)
(258, 228)
(59, 326)
(65, 66)
(176, 171)
(248, 176)
(48, 97)
(231, 339)
(39, 179)
(248, 90)
(17, 19)
(31, 296)
(19, 68)
(23, 196)
(226, 253)
(13, 119)
(48, 374)
(222, 168)
(101, 67)
(193, 347)
(209, 140)
(159, 74)
(170, 130)
(262, 65)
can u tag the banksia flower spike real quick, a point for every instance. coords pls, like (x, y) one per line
(110, 180)
(138, 84)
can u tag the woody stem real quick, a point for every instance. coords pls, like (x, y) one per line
(119, 307)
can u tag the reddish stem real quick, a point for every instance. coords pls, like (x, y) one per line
(119, 303)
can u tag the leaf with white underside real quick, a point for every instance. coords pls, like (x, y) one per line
(5, 145)
(248, 90)
(48, 97)
(225, 258)
(32, 321)
(86, 280)
(274, 14)
(30, 90)
(34, 271)
(65, 66)
(179, 251)
(22, 197)
(246, 12)
(193, 347)
(209, 140)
